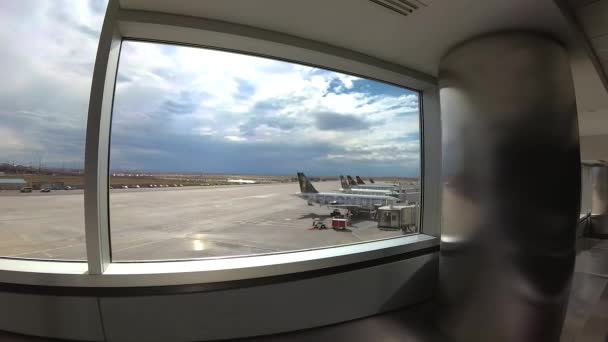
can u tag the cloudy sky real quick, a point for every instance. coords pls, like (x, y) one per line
(181, 109)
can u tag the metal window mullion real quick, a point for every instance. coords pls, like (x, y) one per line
(430, 129)
(97, 230)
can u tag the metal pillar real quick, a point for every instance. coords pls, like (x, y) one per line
(511, 188)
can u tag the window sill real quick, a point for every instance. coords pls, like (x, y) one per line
(213, 274)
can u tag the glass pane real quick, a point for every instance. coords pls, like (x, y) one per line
(207, 146)
(48, 52)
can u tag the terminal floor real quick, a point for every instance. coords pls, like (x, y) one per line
(586, 317)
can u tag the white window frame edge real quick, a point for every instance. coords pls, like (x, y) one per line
(187, 272)
(97, 148)
(215, 34)
(430, 129)
(205, 33)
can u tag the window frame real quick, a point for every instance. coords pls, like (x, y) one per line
(99, 270)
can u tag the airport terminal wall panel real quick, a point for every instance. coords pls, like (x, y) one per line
(281, 307)
(250, 310)
(66, 317)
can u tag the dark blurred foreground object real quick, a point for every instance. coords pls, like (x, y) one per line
(511, 188)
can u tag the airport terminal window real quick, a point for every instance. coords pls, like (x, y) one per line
(216, 153)
(48, 52)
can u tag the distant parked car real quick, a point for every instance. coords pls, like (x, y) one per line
(67, 187)
(26, 189)
(151, 186)
(181, 185)
(124, 187)
(136, 187)
(45, 190)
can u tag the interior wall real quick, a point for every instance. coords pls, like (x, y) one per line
(66, 317)
(283, 306)
(594, 147)
(271, 309)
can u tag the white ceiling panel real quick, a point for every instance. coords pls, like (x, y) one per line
(594, 17)
(415, 39)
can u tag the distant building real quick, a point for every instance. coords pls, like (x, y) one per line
(12, 183)
(242, 181)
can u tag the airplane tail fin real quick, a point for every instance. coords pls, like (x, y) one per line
(359, 180)
(305, 184)
(372, 181)
(344, 183)
(351, 181)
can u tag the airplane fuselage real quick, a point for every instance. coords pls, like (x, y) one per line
(370, 192)
(375, 186)
(367, 202)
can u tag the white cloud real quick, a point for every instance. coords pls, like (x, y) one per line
(234, 138)
(48, 51)
(347, 80)
(12, 142)
(167, 92)
(206, 131)
(251, 99)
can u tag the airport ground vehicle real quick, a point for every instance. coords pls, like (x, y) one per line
(26, 189)
(336, 213)
(318, 224)
(339, 223)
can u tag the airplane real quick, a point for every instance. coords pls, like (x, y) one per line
(354, 190)
(340, 200)
(351, 181)
(375, 186)
(372, 181)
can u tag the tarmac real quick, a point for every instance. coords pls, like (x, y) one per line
(176, 223)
